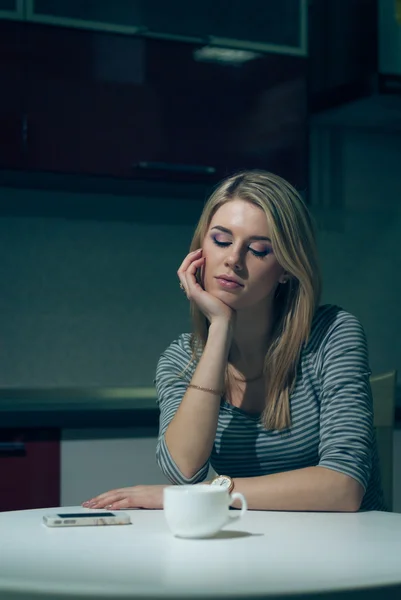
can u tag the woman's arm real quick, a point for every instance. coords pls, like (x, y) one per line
(188, 420)
(190, 435)
(339, 481)
(309, 489)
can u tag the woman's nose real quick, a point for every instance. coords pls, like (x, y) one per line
(234, 261)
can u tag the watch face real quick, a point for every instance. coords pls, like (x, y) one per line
(222, 481)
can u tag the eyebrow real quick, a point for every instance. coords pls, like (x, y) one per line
(252, 237)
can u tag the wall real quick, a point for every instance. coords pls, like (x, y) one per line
(356, 191)
(389, 38)
(87, 302)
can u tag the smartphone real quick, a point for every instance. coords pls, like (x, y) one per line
(89, 518)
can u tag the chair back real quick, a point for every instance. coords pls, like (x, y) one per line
(383, 391)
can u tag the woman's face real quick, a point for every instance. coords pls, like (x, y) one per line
(237, 247)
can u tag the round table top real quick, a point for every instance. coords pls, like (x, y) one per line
(264, 555)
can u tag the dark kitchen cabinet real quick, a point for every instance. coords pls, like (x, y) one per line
(11, 9)
(12, 110)
(9, 6)
(87, 110)
(83, 127)
(74, 101)
(343, 50)
(260, 25)
(118, 15)
(29, 468)
(95, 103)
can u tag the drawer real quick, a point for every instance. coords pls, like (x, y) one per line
(29, 468)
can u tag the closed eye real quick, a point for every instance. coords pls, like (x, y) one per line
(221, 243)
(258, 254)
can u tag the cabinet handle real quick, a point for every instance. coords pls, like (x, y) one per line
(176, 167)
(24, 132)
(12, 449)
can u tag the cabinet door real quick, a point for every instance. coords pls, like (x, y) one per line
(230, 117)
(105, 104)
(29, 468)
(88, 108)
(342, 51)
(119, 16)
(12, 120)
(11, 9)
(266, 25)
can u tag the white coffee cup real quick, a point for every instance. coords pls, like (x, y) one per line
(199, 511)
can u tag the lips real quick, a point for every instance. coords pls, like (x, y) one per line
(228, 278)
(228, 283)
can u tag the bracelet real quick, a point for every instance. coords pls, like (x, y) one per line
(202, 389)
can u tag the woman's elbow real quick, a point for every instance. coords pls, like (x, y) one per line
(175, 475)
(351, 505)
(352, 495)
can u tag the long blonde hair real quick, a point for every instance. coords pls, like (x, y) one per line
(293, 242)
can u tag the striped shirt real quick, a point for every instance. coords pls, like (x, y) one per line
(331, 413)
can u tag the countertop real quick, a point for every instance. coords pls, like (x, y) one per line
(78, 407)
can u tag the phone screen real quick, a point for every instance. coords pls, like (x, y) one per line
(85, 515)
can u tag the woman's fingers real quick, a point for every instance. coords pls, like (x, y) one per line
(119, 504)
(193, 257)
(101, 497)
(191, 282)
(138, 496)
(188, 259)
(105, 499)
(125, 503)
(194, 266)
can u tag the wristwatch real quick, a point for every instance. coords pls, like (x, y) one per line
(224, 481)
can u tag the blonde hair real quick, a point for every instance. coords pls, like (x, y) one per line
(293, 242)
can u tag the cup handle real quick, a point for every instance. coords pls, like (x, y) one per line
(244, 507)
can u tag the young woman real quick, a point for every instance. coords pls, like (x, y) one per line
(271, 389)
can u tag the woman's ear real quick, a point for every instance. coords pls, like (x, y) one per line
(284, 277)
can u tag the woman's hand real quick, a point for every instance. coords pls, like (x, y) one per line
(138, 496)
(213, 308)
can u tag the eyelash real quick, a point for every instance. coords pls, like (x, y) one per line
(254, 252)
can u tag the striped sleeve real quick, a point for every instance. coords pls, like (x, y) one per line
(346, 411)
(171, 384)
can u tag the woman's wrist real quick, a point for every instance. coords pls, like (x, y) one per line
(219, 342)
(221, 329)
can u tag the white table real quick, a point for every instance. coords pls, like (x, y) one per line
(266, 555)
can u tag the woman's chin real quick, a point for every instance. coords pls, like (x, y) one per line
(230, 299)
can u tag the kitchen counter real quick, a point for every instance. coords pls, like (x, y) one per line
(78, 407)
